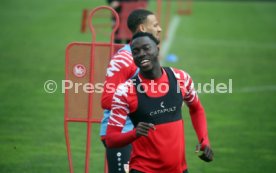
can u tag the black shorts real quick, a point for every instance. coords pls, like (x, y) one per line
(135, 171)
(117, 157)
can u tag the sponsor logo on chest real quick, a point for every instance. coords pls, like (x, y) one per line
(162, 109)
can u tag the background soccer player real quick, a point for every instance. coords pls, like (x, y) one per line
(117, 6)
(120, 69)
(153, 101)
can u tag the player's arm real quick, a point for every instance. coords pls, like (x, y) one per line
(119, 70)
(197, 114)
(199, 122)
(120, 110)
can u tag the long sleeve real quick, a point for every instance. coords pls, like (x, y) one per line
(116, 138)
(119, 111)
(199, 122)
(121, 67)
(196, 110)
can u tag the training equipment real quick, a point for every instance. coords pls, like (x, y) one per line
(184, 7)
(85, 64)
(123, 32)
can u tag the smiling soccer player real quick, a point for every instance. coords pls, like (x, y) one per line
(157, 139)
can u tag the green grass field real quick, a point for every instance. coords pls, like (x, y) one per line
(220, 40)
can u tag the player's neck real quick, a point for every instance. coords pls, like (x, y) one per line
(155, 73)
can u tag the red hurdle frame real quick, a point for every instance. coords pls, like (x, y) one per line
(88, 117)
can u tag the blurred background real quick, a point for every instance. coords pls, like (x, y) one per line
(218, 40)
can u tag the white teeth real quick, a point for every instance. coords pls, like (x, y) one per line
(144, 61)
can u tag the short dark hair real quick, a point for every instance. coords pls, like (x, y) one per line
(136, 18)
(147, 34)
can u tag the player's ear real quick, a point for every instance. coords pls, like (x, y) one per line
(142, 28)
(158, 48)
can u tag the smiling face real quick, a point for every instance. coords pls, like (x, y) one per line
(145, 53)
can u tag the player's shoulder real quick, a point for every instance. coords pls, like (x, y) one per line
(121, 64)
(179, 74)
(125, 51)
(125, 48)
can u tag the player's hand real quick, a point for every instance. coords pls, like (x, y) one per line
(207, 154)
(143, 128)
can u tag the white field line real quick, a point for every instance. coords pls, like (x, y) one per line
(255, 89)
(166, 44)
(228, 43)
